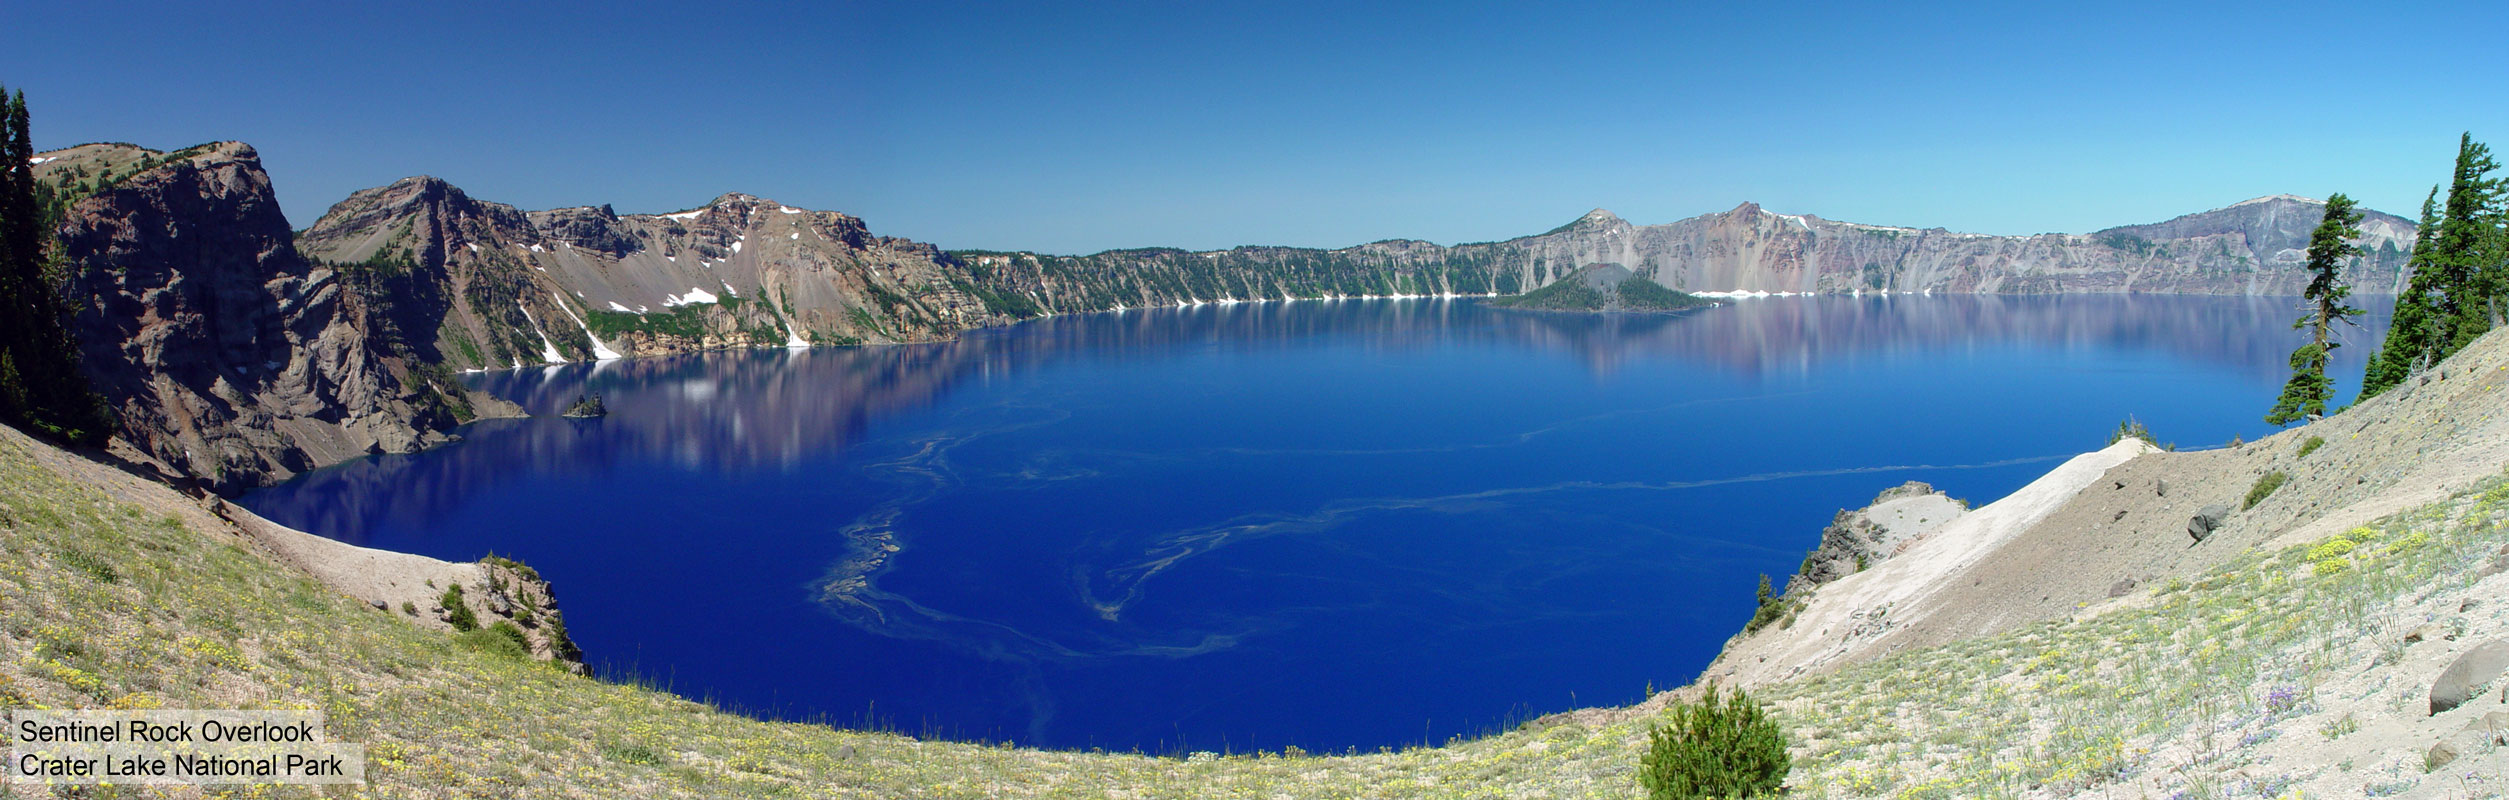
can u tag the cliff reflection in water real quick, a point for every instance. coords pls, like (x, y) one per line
(727, 412)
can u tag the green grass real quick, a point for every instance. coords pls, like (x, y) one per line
(685, 322)
(2311, 446)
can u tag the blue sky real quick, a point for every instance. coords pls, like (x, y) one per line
(1081, 127)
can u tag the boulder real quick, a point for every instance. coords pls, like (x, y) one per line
(2462, 679)
(2480, 735)
(2207, 520)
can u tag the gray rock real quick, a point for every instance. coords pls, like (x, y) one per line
(2121, 588)
(2207, 520)
(2461, 680)
(2498, 564)
(2483, 734)
(1856, 540)
(500, 605)
(2160, 487)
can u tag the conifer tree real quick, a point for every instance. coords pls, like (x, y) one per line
(2458, 274)
(42, 388)
(2330, 247)
(2465, 232)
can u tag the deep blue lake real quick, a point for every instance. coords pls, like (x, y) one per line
(1327, 524)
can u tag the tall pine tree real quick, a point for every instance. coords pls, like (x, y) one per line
(2458, 277)
(2330, 247)
(2464, 233)
(42, 389)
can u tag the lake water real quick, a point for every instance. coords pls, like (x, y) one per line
(1327, 524)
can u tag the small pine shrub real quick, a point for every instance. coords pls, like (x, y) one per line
(458, 612)
(561, 646)
(1771, 609)
(2130, 429)
(1722, 748)
(2265, 485)
(2311, 445)
(501, 639)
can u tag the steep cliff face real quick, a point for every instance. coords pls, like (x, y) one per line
(2253, 247)
(480, 285)
(227, 354)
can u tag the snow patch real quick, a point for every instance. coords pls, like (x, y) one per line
(728, 291)
(38, 160)
(548, 349)
(736, 243)
(788, 209)
(684, 215)
(693, 297)
(792, 338)
(474, 247)
(796, 234)
(599, 352)
(614, 306)
(537, 249)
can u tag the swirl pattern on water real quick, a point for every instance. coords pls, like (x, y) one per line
(1268, 524)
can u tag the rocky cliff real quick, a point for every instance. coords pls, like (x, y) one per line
(2253, 247)
(228, 356)
(479, 285)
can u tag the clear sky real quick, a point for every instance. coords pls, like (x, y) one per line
(1077, 127)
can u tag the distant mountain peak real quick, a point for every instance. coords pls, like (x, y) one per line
(1599, 215)
(2292, 198)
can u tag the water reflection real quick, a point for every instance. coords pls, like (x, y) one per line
(729, 412)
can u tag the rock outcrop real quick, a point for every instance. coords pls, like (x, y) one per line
(227, 355)
(1858, 539)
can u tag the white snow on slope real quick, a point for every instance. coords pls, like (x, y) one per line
(548, 349)
(685, 214)
(693, 297)
(600, 352)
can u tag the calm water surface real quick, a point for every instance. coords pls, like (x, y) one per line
(1333, 525)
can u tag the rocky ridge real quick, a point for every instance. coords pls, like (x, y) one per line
(227, 355)
(482, 285)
